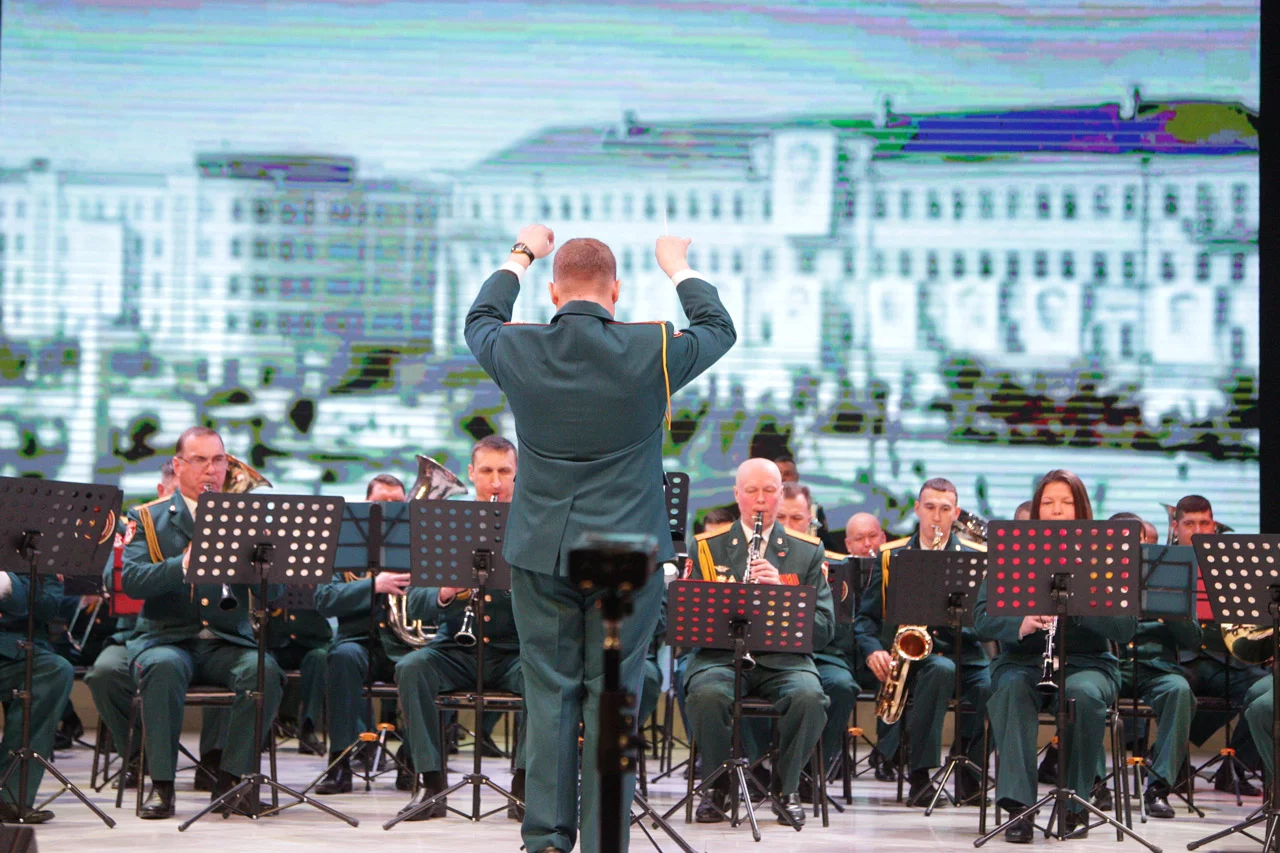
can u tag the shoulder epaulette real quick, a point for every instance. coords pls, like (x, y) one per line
(152, 503)
(836, 556)
(972, 543)
(805, 537)
(702, 537)
(897, 543)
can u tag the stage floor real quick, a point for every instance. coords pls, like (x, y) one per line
(875, 822)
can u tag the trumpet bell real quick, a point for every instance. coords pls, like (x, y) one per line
(435, 482)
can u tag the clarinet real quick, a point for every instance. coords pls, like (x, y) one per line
(755, 550)
(466, 636)
(1049, 667)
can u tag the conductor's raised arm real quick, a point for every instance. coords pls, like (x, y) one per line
(711, 333)
(492, 306)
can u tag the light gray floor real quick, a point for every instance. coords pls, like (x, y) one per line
(874, 822)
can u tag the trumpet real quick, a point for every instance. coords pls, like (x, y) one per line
(1049, 666)
(466, 633)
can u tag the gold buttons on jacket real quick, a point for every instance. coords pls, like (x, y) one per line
(204, 602)
(204, 622)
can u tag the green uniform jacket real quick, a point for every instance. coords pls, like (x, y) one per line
(873, 635)
(305, 628)
(1213, 648)
(13, 614)
(724, 557)
(590, 396)
(499, 626)
(1158, 642)
(346, 598)
(172, 609)
(1088, 638)
(843, 646)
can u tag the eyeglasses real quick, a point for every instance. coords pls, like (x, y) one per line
(205, 461)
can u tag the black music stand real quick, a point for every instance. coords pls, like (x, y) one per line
(675, 488)
(1168, 592)
(263, 539)
(1243, 581)
(50, 527)
(373, 537)
(743, 618)
(459, 544)
(936, 588)
(1064, 569)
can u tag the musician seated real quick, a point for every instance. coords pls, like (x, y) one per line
(447, 664)
(931, 681)
(347, 598)
(789, 681)
(1092, 680)
(835, 661)
(52, 676)
(1152, 673)
(184, 636)
(1213, 672)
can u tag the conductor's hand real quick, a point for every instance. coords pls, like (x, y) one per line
(391, 583)
(1031, 624)
(762, 571)
(880, 662)
(672, 254)
(539, 238)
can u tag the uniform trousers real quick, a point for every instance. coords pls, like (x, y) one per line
(1259, 706)
(111, 684)
(842, 692)
(1210, 678)
(931, 684)
(1169, 695)
(346, 671)
(51, 680)
(304, 701)
(165, 672)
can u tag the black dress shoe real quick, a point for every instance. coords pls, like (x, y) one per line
(1102, 799)
(969, 788)
(430, 785)
(308, 743)
(207, 770)
(886, 771)
(1225, 780)
(9, 814)
(922, 790)
(793, 807)
(1077, 821)
(338, 779)
(714, 806)
(405, 776)
(489, 749)
(1048, 772)
(1156, 802)
(549, 849)
(514, 810)
(1020, 831)
(159, 804)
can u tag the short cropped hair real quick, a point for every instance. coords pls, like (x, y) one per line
(391, 481)
(1192, 503)
(166, 470)
(719, 515)
(791, 491)
(939, 484)
(192, 433)
(493, 442)
(585, 260)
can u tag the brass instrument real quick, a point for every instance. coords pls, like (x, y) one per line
(971, 526)
(435, 482)
(241, 478)
(1248, 643)
(910, 643)
(465, 635)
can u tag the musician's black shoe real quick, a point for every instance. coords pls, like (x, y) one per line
(921, 792)
(308, 742)
(1048, 772)
(430, 785)
(1102, 799)
(1225, 779)
(207, 770)
(244, 803)
(404, 769)
(793, 807)
(1156, 801)
(1077, 821)
(338, 778)
(968, 788)
(515, 811)
(489, 749)
(714, 806)
(159, 804)
(886, 771)
(1020, 831)
(9, 814)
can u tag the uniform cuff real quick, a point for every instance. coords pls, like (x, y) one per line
(515, 267)
(686, 274)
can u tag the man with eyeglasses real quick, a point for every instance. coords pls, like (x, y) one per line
(183, 636)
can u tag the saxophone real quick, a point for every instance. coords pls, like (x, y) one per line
(910, 643)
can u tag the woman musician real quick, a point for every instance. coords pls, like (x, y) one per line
(1093, 678)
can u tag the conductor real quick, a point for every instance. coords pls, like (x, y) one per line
(590, 398)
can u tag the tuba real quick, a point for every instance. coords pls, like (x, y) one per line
(435, 482)
(970, 526)
(1248, 643)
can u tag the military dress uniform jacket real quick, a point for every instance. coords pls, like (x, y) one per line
(1158, 643)
(1212, 648)
(499, 626)
(843, 647)
(346, 598)
(800, 560)
(173, 610)
(873, 635)
(13, 614)
(591, 436)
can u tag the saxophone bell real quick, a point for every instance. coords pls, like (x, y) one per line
(910, 643)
